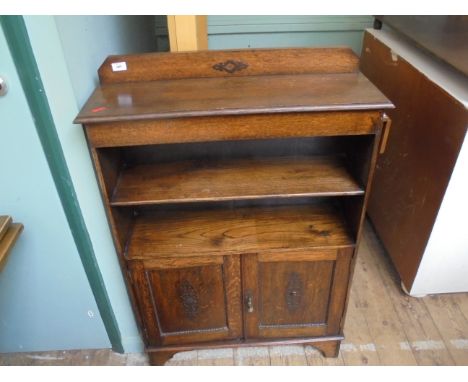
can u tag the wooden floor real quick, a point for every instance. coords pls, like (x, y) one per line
(383, 327)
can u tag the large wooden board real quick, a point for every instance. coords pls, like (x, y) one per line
(411, 177)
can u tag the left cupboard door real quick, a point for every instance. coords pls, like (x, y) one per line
(188, 300)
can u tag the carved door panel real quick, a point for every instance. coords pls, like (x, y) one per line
(295, 294)
(189, 300)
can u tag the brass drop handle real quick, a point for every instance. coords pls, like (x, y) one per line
(249, 302)
(386, 123)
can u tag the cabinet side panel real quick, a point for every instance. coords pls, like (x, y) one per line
(361, 156)
(144, 304)
(340, 289)
(107, 166)
(110, 163)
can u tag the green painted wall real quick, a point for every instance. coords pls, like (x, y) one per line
(231, 32)
(69, 50)
(45, 299)
(87, 40)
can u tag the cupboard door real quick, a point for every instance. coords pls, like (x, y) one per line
(295, 294)
(188, 300)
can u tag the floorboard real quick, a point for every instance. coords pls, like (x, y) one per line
(423, 337)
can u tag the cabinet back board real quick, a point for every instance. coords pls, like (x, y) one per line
(228, 63)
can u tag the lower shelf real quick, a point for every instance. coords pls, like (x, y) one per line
(180, 233)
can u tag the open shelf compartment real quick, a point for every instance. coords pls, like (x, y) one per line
(178, 232)
(234, 170)
(234, 179)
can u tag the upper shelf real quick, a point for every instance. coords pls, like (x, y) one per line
(212, 83)
(200, 181)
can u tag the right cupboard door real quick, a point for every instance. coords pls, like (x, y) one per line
(295, 294)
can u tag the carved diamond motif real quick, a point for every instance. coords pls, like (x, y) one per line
(230, 66)
(189, 298)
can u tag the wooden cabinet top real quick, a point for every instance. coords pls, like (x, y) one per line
(212, 83)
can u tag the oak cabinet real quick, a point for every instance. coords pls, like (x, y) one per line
(236, 184)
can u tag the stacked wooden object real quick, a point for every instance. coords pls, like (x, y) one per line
(9, 232)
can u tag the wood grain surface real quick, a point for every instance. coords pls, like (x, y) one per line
(289, 298)
(181, 65)
(197, 302)
(233, 179)
(411, 177)
(231, 96)
(243, 230)
(225, 128)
